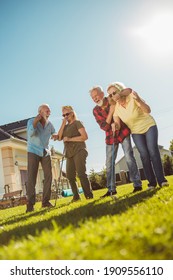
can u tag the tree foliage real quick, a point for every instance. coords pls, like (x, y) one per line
(171, 147)
(168, 165)
(98, 181)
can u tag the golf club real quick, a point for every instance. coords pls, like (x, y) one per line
(59, 178)
(113, 169)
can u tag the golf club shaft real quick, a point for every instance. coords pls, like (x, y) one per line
(59, 178)
(113, 158)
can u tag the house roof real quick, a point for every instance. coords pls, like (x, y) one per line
(8, 130)
(11, 130)
(15, 126)
(4, 135)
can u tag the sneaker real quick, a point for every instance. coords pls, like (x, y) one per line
(29, 208)
(75, 199)
(137, 189)
(113, 193)
(151, 188)
(89, 197)
(165, 184)
(47, 204)
(108, 194)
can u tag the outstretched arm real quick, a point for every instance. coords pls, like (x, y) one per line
(141, 103)
(123, 92)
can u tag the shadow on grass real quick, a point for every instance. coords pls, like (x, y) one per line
(75, 216)
(21, 217)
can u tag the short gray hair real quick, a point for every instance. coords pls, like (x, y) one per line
(98, 88)
(41, 106)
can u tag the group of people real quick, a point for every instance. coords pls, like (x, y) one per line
(74, 135)
(121, 114)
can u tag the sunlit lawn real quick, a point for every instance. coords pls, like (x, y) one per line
(134, 226)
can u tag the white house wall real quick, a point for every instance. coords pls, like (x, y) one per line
(1, 176)
(18, 163)
(121, 164)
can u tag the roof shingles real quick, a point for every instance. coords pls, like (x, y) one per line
(8, 130)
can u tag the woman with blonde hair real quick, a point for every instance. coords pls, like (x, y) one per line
(135, 113)
(74, 135)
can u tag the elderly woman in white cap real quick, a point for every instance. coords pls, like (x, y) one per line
(135, 113)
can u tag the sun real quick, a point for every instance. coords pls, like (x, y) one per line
(155, 35)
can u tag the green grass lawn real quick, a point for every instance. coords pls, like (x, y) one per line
(134, 226)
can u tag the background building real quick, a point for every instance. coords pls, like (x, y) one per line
(121, 166)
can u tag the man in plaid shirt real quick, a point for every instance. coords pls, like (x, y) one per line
(103, 113)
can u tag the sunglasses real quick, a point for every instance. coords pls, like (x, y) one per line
(113, 93)
(66, 115)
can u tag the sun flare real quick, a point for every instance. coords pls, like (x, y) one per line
(156, 34)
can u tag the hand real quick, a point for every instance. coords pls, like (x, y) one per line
(64, 121)
(55, 137)
(43, 115)
(115, 126)
(38, 117)
(135, 96)
(66, 139)
(126, 91)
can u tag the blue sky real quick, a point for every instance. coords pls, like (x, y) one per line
(54, 51)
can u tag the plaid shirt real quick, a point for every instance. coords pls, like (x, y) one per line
(100, 114)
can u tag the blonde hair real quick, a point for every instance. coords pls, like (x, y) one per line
(67, 107)
(117, 85)
(43, 105)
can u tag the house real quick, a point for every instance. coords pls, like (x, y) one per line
(13, 159)
(121, 166)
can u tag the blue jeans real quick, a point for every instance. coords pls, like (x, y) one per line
(150, 156)
(111, 154)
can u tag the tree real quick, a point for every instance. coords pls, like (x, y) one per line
(168, 165)
(171, 147)
(94, 180)
(103, 178)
